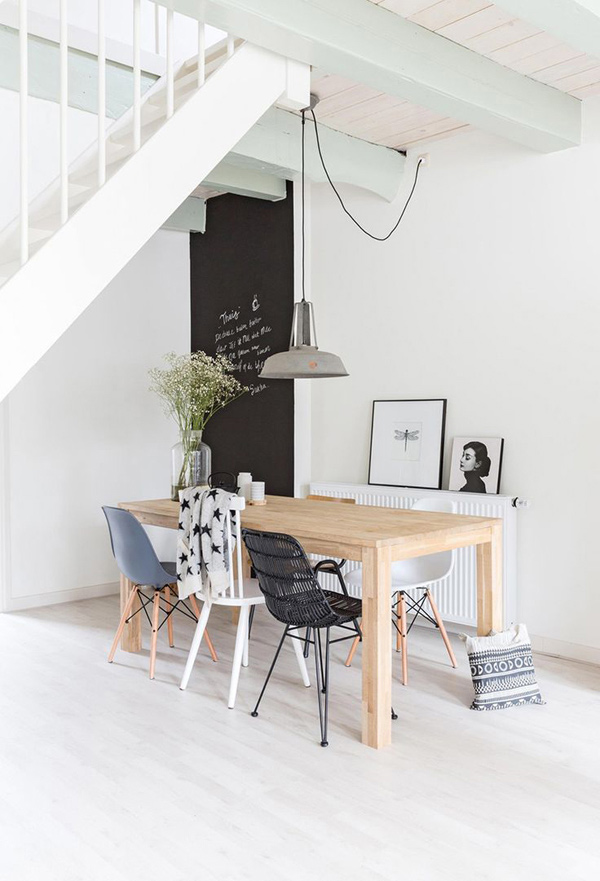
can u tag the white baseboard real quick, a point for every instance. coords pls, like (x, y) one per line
(15, 604)
(541, 645)
(571, 651)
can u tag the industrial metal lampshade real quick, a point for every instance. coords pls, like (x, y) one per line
(303, 360)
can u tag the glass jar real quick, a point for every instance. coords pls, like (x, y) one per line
(190, 463)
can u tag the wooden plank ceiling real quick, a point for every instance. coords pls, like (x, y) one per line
(476, 24)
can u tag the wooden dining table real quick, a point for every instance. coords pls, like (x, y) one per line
(375, 537)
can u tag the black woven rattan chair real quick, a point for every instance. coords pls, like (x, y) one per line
(294, 597)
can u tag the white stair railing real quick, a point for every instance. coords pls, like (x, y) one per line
(64, 110)
(137, 76)
(170, 77)
(101, 95)
(201, 53)
(39, 219)
(23, 149)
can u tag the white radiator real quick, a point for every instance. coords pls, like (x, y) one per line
(457, 596)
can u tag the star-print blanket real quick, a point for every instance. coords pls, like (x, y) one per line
(202, 542)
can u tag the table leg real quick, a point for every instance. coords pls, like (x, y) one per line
(490, 601)
(377, 648)
(131, 641)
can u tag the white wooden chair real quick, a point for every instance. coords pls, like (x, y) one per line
(245, 594)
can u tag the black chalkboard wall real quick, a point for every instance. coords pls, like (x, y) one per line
(242, 295)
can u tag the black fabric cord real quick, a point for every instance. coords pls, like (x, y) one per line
(340, 200)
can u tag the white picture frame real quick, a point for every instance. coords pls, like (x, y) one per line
(407, 442)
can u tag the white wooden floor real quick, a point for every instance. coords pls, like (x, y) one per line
(105, 775)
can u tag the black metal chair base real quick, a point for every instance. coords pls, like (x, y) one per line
(322, 668)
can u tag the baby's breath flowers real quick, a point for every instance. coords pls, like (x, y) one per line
(194, 387)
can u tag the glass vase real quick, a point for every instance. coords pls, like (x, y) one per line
(190, 463)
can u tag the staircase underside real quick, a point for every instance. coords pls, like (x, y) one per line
(59, 281)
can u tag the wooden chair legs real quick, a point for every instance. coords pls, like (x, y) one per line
(401, 633)
(169, 615)
(402, 637)
(155, 624)
(209, 642)
(122, 622)
(353, 648)
(155, 619)
(440, 624)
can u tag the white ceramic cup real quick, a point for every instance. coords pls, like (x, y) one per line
(258, 490)
(245, 484)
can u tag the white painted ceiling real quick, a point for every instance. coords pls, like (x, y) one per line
(481, 27)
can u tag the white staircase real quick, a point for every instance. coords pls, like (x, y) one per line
(79, 233)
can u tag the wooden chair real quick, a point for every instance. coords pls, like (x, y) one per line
(137, 560)
(243, 593)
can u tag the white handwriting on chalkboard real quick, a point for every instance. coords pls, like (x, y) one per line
(243, 336)
(256, 389)
(224, 317)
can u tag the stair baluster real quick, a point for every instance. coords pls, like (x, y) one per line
(64, 110)
(137, 78)
(201, 54)
(23, 150)
(101, 95)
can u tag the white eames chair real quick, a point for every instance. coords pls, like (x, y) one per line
(408, 577)
(245, 594)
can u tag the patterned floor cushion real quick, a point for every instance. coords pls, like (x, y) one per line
(502, 669)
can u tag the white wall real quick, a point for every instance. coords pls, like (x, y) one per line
(43, 165)
(82, 430)
(487, 295)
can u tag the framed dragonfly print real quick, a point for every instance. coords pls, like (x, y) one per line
(476, 464)
(407, 440)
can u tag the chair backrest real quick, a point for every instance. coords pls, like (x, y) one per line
(223, 480)
(132, 549)
(286, 578)
(431, 503)
(315, 498)
(231, 524)
(434, 567)
(236, 577)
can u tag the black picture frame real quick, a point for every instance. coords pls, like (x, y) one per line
(492, 449)
(423, 465)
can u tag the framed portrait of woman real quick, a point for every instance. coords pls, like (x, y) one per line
(407, 440)
(476, 464)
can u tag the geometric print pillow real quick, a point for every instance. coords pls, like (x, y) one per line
(502, 669)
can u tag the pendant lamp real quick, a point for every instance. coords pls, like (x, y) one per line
(303, 360)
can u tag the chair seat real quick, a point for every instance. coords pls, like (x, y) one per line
(171, 568)
(406, 574)
(252, 596)
(344, 606)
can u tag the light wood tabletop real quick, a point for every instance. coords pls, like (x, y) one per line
(376, 537)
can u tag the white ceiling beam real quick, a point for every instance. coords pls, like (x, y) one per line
(371, 45)
(273, 145)
(227, 178)
(189, 217)
(576, 22)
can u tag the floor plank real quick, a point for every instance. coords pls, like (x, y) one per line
(107, 775)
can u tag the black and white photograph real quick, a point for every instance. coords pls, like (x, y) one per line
(407, 439)
(476, 464)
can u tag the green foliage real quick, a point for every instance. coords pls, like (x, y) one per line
(194, 387)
